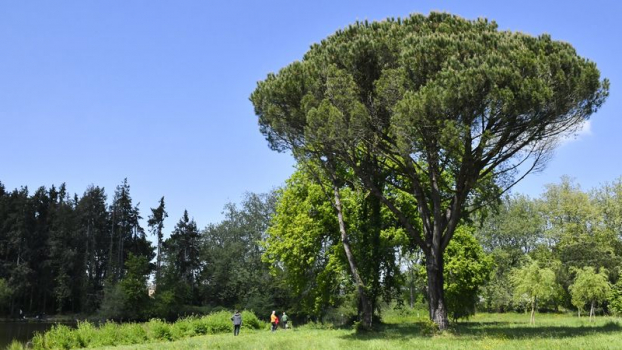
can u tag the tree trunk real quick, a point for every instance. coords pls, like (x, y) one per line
(532, 319)
(158, 260)
(412, 287)
(436, 293)
(592, 311)
(366, 306)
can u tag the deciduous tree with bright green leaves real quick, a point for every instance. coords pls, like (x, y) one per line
(533, 284)
(439, 107)
(615, 297)
(304, 244)
(589, 288)
(467, 268)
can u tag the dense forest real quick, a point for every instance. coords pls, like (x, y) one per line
(62, 253)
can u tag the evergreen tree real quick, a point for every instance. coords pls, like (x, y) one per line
(444, 109)
(93, 226)
(156, 225)
(182, 254)
(127, 236)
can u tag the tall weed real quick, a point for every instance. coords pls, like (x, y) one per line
(87, 335)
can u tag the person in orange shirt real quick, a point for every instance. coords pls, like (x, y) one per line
(274, 320)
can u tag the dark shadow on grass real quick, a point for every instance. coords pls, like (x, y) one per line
(396, 331)
(479, 330)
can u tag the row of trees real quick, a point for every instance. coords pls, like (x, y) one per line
(81, 254)
(569, 239)
(563, 250)
(58, 251)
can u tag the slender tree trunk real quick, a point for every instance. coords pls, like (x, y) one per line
(411, 287)
(592, 311)
(111, 272)
(532, 320)
(366, 305)
(436, 293)
(159, 259)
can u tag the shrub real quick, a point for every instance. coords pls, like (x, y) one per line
(427, 327)
(15, 345)
(183, 328)
(158, 329)
(200, 326)
(132, 333)
(85, 333)
(112, 334)
(106, 335)
(250, 320)
(60, 337)
(219, 322)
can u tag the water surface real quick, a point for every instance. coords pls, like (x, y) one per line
(22, 331)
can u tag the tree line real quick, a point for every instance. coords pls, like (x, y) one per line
(62, 253)
(71, 254)
(404, 132)
(562, 250)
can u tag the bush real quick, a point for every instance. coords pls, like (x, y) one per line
(15, 345)
(250, 320)
(132, 333)
(427, 327)
(112, 334)
(85, 333)
(106, 335)
(219, 322)
(159, 330)
(200, 326)
(184, 328)
(59, 337)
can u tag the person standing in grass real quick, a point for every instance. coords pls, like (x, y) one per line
(284, 319)
(237, 322)
(273, 320)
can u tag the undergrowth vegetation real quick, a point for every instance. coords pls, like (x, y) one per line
(88, 335)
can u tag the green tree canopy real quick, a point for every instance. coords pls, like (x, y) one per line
(590, 287)
(304, 244)
(466, 270)
(533, 284)
(442, 108)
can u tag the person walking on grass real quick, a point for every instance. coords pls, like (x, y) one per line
(237, 322)
(284, 319)
(274, 320)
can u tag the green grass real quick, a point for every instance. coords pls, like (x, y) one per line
(484, 331)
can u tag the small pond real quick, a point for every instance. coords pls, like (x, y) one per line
(22, 330)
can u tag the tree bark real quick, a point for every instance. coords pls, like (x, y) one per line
(366, 307)
(412, 287)
(436, 293)
(532, 319)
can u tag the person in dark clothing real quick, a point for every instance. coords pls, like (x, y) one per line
(237, 322)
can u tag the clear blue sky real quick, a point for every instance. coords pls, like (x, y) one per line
(92, 92)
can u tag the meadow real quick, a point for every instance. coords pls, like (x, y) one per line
(485, 331)
(399, 331)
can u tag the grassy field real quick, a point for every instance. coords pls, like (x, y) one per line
(484, 331)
